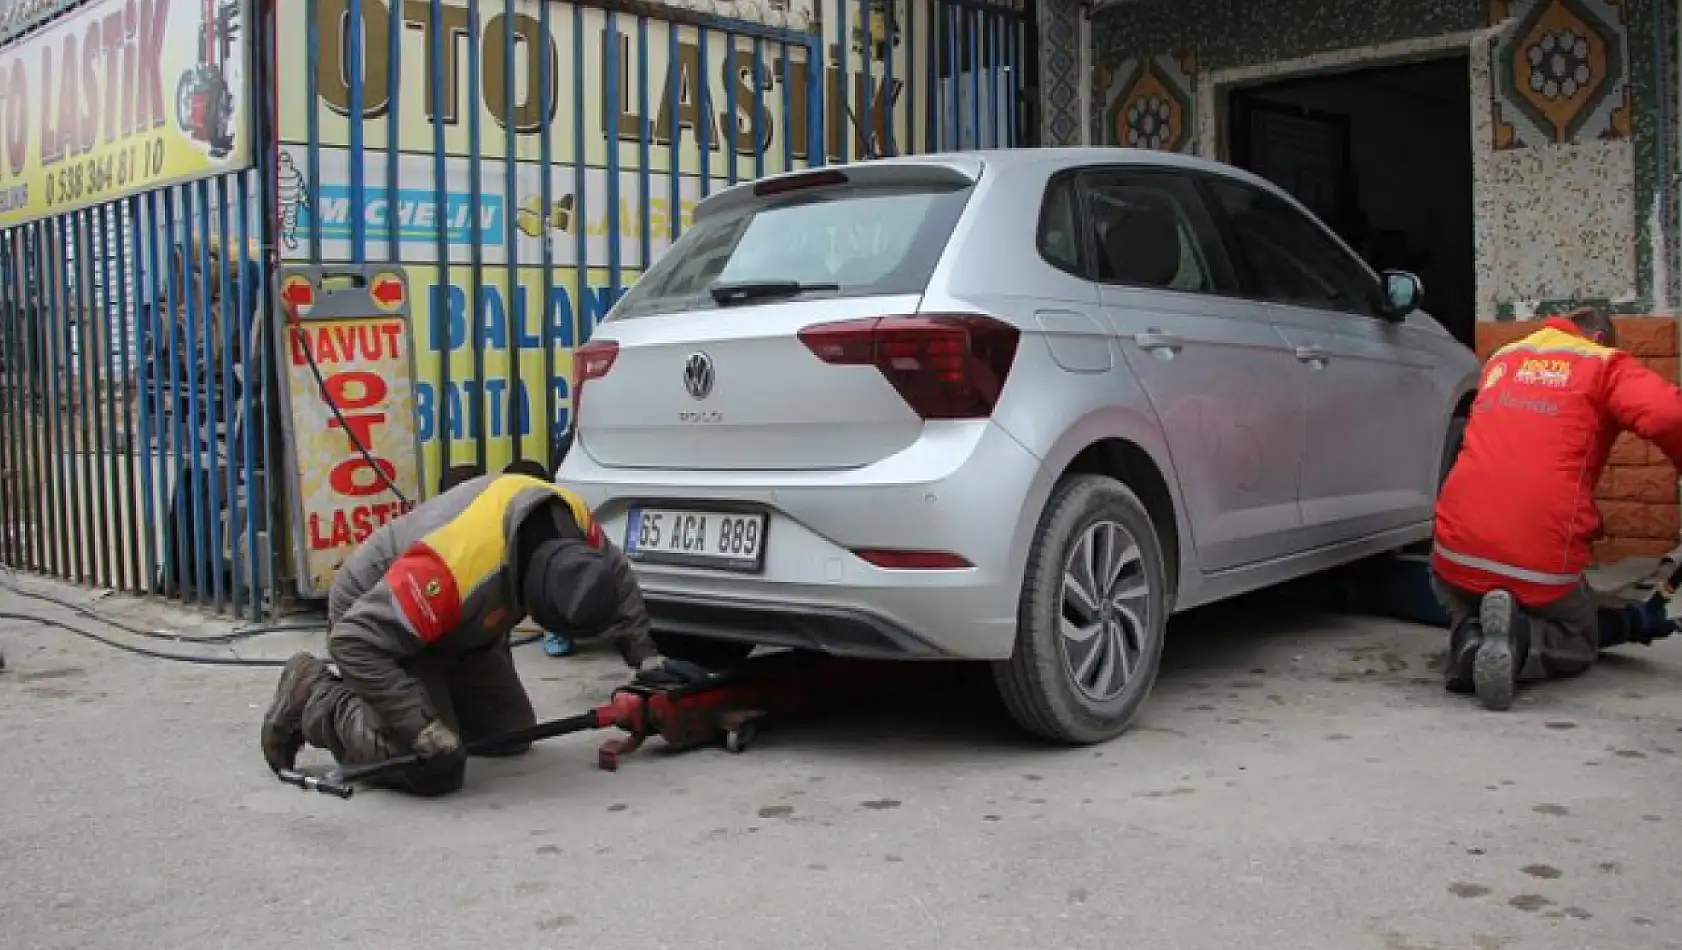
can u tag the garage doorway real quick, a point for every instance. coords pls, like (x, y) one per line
(1383, 156)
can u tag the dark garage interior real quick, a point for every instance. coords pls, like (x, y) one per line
(1383, 156)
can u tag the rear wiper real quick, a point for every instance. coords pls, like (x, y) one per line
(725, 293)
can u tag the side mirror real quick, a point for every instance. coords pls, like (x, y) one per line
(1402, 293)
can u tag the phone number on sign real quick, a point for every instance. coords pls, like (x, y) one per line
(89, 179)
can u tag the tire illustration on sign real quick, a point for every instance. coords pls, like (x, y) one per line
(204, 99)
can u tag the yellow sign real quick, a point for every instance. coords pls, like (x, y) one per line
(515, 316)
(546, 131)
(119, 97)
(712, 99)
(351, 397)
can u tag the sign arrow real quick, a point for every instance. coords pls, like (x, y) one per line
(387, 292)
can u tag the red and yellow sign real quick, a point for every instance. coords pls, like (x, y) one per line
(119, 97)
(353, 435)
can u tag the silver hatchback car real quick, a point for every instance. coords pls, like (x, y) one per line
(1011, 406)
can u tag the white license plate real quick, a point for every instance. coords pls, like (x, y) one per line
(730, 540)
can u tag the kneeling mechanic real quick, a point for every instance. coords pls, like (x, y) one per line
(419, 619)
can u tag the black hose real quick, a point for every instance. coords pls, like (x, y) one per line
(212, 639)
(142, 651)
(215, 639)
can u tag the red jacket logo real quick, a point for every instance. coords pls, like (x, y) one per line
(1553, 373)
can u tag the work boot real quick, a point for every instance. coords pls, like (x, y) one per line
(1506, 646)
(283, 724)
(1463, 646)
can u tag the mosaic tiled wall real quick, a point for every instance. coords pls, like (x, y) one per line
(1229, 33)
(1555, 178)
(1566, 130)
(1060, 106)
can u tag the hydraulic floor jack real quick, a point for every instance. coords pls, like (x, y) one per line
(731, 707)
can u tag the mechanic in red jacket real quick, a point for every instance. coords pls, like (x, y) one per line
(1516, 518)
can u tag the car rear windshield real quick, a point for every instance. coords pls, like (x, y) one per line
(845, 241)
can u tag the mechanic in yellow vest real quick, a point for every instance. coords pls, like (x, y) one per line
(418, 625)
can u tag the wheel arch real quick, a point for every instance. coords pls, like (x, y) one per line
(1127, 446)
(1463, 405)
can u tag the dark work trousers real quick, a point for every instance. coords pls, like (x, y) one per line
(1564, 635)
(476, 694)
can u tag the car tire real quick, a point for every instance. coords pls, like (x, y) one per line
(1451, 448)
(1451, 453)
(1054, 686)
(701, 651)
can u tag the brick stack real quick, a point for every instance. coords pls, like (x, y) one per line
(1638, 494)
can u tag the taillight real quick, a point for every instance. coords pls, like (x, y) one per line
(944, 365)
(590, 361)
(896, 560)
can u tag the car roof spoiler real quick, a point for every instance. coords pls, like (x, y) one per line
(945, 171)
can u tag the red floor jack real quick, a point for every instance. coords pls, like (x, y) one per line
(731, 707)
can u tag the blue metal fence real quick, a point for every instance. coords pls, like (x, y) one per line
(134, 406)
(136, 397)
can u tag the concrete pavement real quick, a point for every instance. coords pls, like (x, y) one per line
(1299, 780)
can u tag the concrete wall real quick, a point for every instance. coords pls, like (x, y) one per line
(1574, 137)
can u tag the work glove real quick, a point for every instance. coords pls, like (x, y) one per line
(436, 741)
(665, 672)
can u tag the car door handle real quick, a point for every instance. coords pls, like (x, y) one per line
(1312, 354)
(1154, 340)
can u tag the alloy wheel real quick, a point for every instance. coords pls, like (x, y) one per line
(1105, 612)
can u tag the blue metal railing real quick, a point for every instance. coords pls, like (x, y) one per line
(134, 403)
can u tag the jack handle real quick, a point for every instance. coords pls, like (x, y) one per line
(338, 781)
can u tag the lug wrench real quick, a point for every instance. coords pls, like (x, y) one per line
(338, 781)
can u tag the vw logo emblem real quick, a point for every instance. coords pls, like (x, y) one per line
(698, 375)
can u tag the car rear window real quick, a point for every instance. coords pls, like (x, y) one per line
(864, 240)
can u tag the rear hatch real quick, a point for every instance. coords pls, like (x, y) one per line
(782, 332)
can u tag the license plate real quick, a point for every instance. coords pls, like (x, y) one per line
(728, 540)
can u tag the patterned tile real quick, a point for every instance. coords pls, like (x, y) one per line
(1147, 103)
(1561, 73)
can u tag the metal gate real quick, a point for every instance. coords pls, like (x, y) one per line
(521, 161)
(133, 403)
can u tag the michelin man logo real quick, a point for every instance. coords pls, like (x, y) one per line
(294, 196)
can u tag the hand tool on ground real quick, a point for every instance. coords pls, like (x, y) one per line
(731, 707)
(1640, 612)
(1633, 596)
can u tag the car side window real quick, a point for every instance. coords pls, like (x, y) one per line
(1151, 229)
(1059, 235)
(1293, 260)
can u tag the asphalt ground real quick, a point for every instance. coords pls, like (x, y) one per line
(1298, 780)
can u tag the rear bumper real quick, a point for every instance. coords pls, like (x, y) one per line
(959, 489)
(842, 631)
